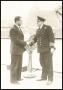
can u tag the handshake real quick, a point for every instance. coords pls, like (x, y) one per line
(28, 47)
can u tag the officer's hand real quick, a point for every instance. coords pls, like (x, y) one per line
(30, 44)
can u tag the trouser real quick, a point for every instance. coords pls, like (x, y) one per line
(47, 65)
(16, 67)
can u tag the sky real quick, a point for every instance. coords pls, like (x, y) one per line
(15, 7)
(10, 9)
(28, 11)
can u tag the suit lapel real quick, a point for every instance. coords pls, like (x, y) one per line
(20, 31)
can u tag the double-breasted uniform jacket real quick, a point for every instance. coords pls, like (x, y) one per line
(17, 41)
(43, 38)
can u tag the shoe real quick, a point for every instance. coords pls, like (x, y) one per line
(40, 79)
(49, 82)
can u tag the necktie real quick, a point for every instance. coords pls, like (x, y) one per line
(20, 30)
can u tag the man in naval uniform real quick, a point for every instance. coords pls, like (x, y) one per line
(17, 48)
(45, 45)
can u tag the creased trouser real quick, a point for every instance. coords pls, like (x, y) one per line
(16, 67)
(47, 65)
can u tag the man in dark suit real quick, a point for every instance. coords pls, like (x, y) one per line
(17, 48)
(45, 45)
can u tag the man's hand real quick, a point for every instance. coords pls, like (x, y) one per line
(30, 43)
(28, 48)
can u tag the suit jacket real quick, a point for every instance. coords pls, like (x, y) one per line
(17, 41)
(43, 38)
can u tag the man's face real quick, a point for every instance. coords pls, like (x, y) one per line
(39, 23)
(19, 22)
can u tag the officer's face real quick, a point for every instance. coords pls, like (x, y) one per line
(39, 23)
(19, 22)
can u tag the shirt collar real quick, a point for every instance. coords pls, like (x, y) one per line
(16, 25)
(41, 26)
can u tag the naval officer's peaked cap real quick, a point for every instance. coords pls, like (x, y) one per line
(40, 18)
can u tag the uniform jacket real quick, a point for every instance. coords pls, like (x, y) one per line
(43, 38)
(17, 41)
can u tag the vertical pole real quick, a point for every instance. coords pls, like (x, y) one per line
(29, 73)
(29, 67)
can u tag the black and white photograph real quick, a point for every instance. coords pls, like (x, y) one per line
(31, 44)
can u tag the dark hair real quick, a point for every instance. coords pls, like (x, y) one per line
(17, 18)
